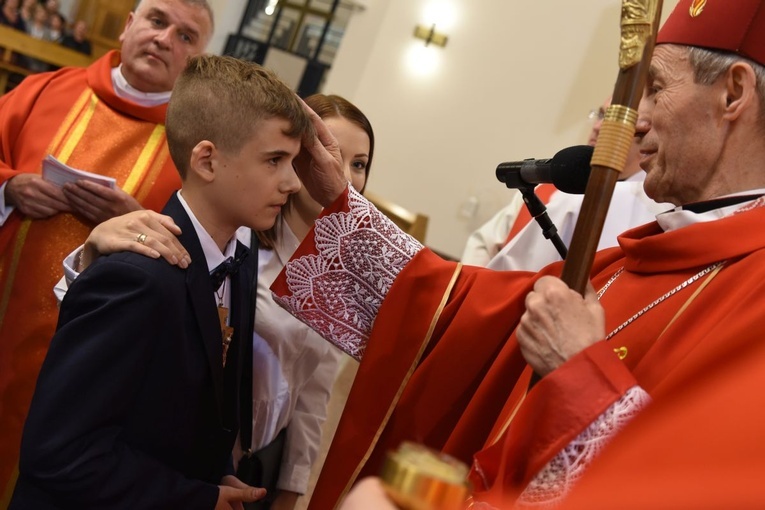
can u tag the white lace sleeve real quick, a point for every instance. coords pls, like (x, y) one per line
(555, 480)
(339, 289)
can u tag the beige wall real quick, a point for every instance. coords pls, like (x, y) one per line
(516, 80)
(228, 14)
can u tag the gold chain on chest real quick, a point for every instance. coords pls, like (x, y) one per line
(658, 300)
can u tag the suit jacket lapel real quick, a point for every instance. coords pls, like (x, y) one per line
(241, 300)
(240, 362)
(200, 292)
(247, 325)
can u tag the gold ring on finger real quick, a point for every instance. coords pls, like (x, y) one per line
(141, 238)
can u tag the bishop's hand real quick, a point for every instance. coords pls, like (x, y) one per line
(320, 165)
(558, 324)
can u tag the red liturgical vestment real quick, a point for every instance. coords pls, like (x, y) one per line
(697, 446)
(441, 364)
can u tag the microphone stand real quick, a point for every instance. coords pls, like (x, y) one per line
(538, 211)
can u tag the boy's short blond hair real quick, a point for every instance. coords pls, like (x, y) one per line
(223, 100)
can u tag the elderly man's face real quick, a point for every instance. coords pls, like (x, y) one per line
(682, 133)
(159, 38)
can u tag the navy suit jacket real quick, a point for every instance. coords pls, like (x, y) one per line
(133, 408)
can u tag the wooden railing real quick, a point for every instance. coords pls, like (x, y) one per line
(14, 42)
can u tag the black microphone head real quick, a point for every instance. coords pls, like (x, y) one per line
(509, 173)
(570, 168)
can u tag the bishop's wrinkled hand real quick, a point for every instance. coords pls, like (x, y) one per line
(320, 165)
(558, 324)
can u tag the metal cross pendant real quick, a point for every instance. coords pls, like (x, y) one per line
(226, 331)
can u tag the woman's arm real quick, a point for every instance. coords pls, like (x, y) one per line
(145, 232)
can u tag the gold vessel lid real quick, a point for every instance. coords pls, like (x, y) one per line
(419, 478)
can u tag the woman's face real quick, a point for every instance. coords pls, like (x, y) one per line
(354, 149)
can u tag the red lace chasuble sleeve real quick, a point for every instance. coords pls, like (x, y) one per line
(338, 278)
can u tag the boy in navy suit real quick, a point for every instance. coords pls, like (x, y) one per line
(136, 404)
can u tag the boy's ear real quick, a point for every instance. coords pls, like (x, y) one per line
(203, 160)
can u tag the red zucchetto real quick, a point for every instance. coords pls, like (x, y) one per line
(731, 25)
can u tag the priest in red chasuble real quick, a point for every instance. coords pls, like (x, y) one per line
(448, 351)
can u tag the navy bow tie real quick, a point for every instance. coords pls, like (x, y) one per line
(228, 267)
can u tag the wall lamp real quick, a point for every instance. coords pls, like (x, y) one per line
(430, 35)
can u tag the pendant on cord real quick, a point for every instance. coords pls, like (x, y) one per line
(226, 331)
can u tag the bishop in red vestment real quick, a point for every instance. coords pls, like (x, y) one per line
(442, 360)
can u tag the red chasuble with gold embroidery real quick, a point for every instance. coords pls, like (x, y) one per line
(74, 115)
(441, 364)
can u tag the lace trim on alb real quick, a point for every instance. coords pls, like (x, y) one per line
(555, 480)
(338, 292)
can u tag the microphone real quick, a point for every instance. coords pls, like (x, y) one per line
(568, 170)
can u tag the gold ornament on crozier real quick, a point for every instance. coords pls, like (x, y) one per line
(636, 28)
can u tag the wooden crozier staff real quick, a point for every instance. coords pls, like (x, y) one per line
(639, 24)
(417, 479)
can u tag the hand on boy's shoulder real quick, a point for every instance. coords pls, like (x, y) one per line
(146, 232)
